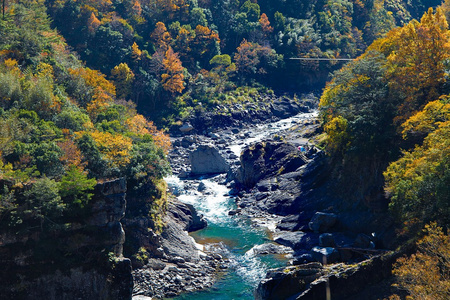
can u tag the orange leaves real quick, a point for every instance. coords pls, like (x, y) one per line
(172, 6)
(138, 125)
(248, 56)
(137, 9)
(71, 154)
(141, 126)
(100, 103)
(93, 23)
(205, 39)
(172, 78)
(203, 32)
(103, 90)
(265, 24)
(426, 274)
(160, 36)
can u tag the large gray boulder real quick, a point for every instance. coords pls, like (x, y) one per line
(186, 127)
(297, 239)
(206, 159)
(322, 222)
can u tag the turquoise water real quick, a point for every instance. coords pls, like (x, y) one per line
(234, 236)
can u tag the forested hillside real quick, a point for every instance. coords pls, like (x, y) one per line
(80, 81)
(63, 131)
(167, 55)
(386, 116)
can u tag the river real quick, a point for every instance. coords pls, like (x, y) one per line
(233, 236)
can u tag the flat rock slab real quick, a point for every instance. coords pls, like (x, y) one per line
(297, 240)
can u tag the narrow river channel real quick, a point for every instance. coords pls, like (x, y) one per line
(233, 236)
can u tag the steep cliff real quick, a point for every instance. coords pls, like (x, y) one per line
(77, 260)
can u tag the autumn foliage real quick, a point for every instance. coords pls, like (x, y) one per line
(426, 274)
(172, 78)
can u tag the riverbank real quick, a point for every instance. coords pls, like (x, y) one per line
(228, 238)
(270, 186)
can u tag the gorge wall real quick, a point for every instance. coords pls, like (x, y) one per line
(78, 260)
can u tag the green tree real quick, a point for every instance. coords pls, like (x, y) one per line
(43, 201)
(419, 182)
(76, 188)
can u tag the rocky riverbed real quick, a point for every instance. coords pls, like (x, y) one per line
(275, 186)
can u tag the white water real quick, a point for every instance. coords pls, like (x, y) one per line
(262, 131)
(238, 234)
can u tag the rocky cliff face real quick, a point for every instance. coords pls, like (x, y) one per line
(80, 260)
(267, 159)
(335, 242)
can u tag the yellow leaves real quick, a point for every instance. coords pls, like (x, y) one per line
(115, 148)
(44, 70)
(13, 66)
(123, 79)
(135, 52)
(415, 60)
(417, 181)
(338, 137)
(94, 79)
(427, 120)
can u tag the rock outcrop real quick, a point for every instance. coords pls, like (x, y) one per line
(80, 261)
(284, 283)
(313, 281)
(267, 159)
(270, 107)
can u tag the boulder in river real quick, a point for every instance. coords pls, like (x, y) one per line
(186, 127)
(206, 159)
(269, 248)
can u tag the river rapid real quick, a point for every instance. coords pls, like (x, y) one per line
(233, 236)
